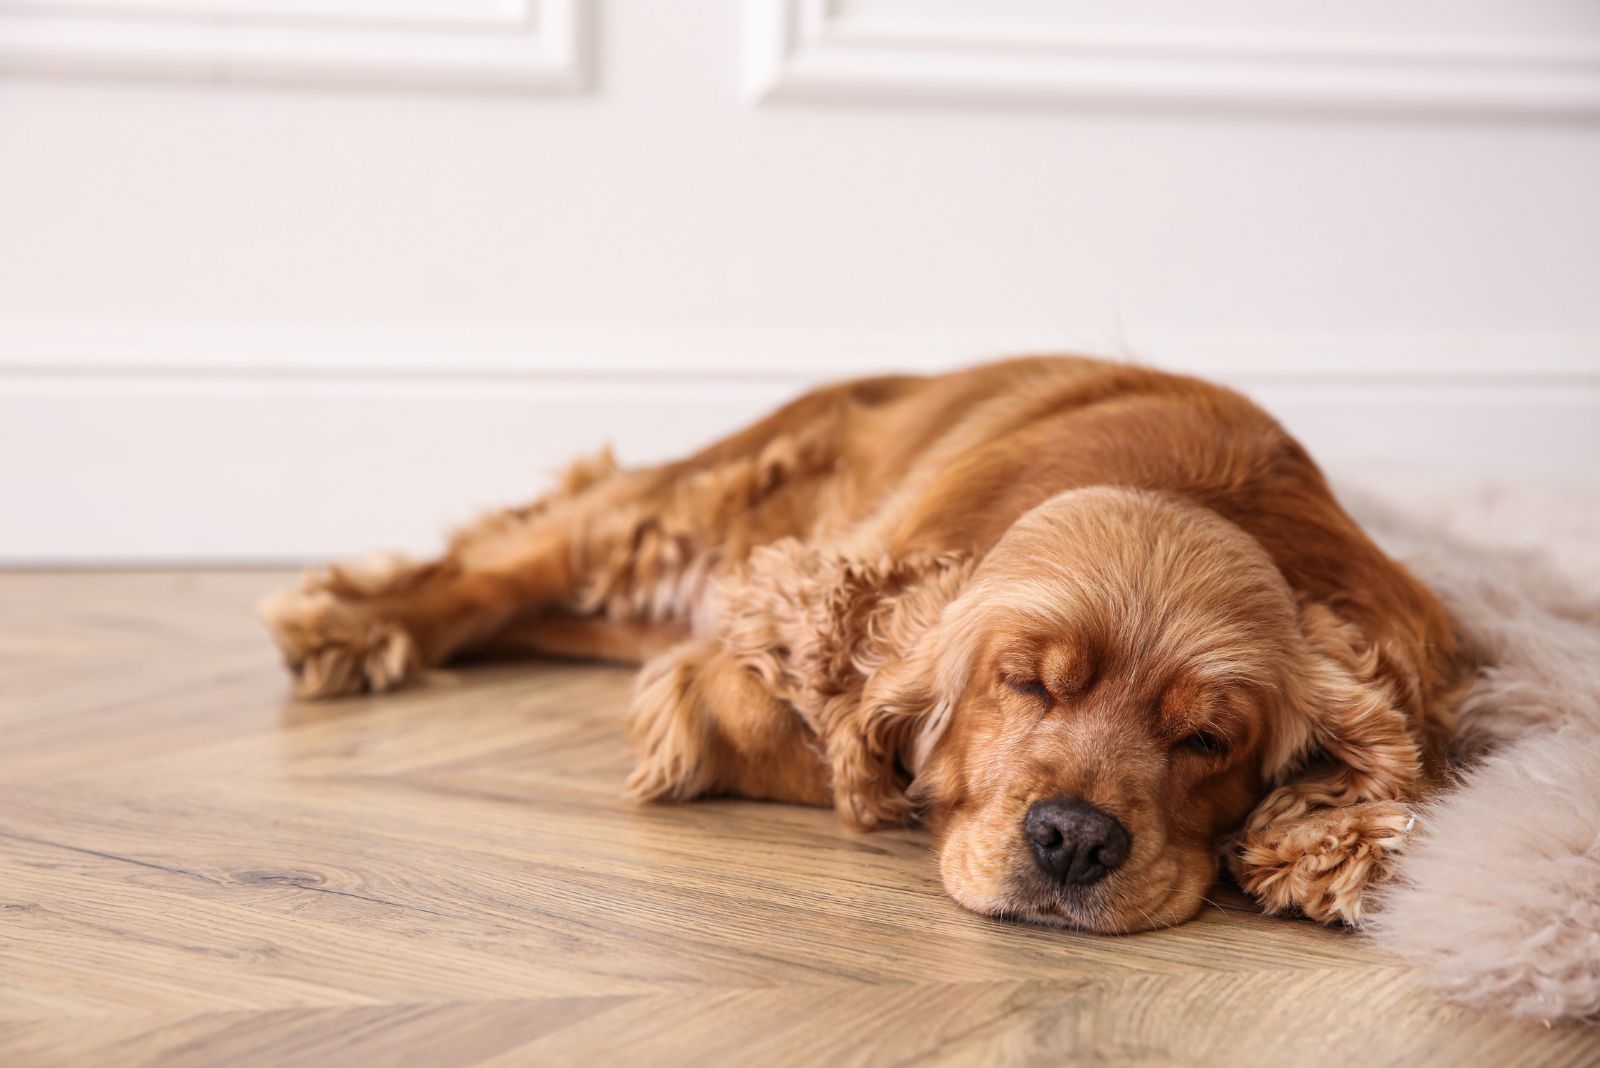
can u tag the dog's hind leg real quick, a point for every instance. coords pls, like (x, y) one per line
(596, 567)
(374, 624)
(631, 552)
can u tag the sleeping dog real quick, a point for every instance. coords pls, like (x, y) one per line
(1094, 625)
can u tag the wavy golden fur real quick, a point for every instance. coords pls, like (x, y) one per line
(963, 600)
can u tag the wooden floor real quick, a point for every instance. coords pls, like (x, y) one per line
(196, 870)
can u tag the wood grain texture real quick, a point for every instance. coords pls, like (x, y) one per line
(196, 870)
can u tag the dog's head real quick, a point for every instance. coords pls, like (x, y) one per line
(1105, 698)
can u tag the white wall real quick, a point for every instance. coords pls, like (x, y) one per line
(292, 283)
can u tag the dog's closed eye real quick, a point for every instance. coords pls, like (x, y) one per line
(1205, 743)
(1031, 688)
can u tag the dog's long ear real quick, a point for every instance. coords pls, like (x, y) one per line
(914, 657)
(1348, 739)
(1346, 761)
(857, 647)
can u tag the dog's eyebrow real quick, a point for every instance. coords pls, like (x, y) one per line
(1193, 701)
(1068, 669)
(1018, 664)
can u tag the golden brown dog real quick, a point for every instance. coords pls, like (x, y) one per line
(1093, 624)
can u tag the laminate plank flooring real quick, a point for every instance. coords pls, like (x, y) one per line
(197, 870)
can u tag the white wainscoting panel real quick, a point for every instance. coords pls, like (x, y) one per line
(250, 310)
(504, 44)
(1096, 54)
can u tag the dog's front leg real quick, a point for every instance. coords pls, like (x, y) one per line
(1319, 861)
(705, 725)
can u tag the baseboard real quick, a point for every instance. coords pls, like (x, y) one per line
(113, 455)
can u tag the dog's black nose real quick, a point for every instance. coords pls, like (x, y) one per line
(1075, 843)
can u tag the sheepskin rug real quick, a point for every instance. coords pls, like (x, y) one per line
(1496, 897)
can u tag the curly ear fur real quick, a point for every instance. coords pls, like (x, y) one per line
(848, 643)
(878, 743)
(1352, 762)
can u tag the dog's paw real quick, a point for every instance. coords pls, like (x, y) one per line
(672, 734)
(1322, 863)
(334, 646)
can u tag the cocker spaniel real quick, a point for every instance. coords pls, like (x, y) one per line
(1094, 625)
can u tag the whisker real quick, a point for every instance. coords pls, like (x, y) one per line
(1202, 897)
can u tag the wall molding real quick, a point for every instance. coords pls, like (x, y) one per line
(528, 45)
(815, 50)
(129, 450)
(760, 355)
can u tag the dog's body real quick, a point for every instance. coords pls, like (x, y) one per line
(1090, 622)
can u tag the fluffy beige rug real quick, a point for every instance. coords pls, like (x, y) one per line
(1496, 898)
